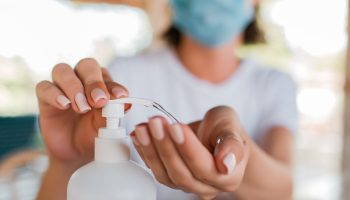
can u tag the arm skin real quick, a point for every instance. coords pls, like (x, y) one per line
(268, 172)
(55, 180)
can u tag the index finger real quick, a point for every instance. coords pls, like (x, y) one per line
(90, 74)
(106, 75)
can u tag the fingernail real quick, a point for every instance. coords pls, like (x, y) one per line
(81, 102)
(216, 150)
(63, 101)
(230, 162)
(177, 134)
(157, 129)
(118, 92)
(98, 94)
(134, 140)
(142, 135)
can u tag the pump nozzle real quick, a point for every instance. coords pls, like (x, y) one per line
(132, 100)
(144, 102)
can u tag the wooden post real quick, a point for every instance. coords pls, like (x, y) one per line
(346, 132)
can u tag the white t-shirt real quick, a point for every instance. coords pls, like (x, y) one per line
(262, 97)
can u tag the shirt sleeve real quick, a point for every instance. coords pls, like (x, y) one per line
(279, 106)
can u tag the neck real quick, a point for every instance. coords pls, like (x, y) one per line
(212, 64)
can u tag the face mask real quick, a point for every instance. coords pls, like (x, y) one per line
(212, 22)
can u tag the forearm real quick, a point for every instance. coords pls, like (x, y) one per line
(265, 177)
(54, 182)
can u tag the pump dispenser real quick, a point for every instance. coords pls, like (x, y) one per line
(112, 176)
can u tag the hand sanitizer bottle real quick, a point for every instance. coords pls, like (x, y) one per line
(111, 176)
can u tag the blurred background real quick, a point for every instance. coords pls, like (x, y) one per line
(306, 38)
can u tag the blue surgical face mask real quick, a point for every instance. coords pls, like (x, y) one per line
(212, 22)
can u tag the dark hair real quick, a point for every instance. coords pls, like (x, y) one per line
(252, 34)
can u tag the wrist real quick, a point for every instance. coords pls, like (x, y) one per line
(67, 165)
(55, 180)
(60, 169)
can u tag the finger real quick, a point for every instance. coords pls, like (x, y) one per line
(90, 74)
(201, 161)
(195, 155)
(176, 168)
(49, 94)
(66, 79)
(222, 130)
(137, 145)
(228, 152)
(106, 75)
(150, 155)
(231, 157)
(194, 126)
(118, 91)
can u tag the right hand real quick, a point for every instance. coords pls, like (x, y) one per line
(70, 109)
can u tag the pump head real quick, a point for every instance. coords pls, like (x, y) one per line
(113, 111)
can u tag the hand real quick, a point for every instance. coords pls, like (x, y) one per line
(70, 113)
(205, 158)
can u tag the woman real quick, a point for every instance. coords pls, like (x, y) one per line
(224, 154)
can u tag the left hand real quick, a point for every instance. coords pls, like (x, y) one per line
(205, 158)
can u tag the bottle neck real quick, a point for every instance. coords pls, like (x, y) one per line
(111, 150)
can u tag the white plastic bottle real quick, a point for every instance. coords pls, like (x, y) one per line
(111, 176)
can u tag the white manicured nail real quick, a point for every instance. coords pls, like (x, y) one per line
(118, 92)
(157, 129)
(63, 101)
(81, 102)
(230, 162)
(98, 94)
(177, 133)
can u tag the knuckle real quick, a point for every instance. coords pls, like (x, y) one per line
(186, 190)
(170, 157)
(203, 177)
(161, 179)
(208, 196)
(229, 187)
(105, 71)
(181, 181)
(94, 83)
(151, 158)
(73, 84)
(180, 184)
(86, 62)
(42, 86)
(220, 109)
(61, 68)
(191, 157)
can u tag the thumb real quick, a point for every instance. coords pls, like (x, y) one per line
(228, 152)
